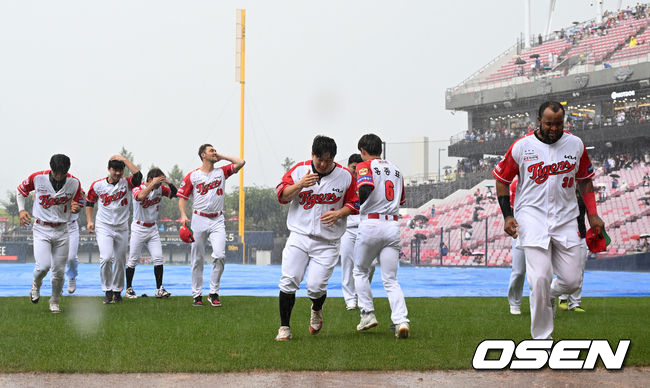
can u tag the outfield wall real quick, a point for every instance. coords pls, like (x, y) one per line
(629, 263)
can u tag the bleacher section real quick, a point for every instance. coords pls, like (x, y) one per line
(641, 49)
(596, 48)
(625, 211)
(509, 70)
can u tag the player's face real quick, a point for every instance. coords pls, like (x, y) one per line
(324, 163)
(353, 169)
(210, 154)
(115, 175)
(551, 124)
(58, 176)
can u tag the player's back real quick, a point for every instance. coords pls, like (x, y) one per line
(388, 187)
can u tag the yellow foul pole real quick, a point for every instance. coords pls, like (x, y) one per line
(239, 75)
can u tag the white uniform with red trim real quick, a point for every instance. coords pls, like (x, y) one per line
(312, 243)
(546, 210)
(73, 250)
(208, 190)
(51, 214)
(348, 241)
(144, 230)
(518, 273)
(379, 235)
(111, 229)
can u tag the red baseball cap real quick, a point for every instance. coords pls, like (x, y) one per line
(597, 243)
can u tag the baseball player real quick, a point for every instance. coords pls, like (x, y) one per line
(572, 302)
(320, 194)
(208, 185)
(381, 192)
(73, 249)
(347, 247)
(58, 195)
(144, 230)
(550, 164)
(112, 229)
(518, 274)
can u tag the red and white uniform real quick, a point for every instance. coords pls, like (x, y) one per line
(51, 211)
(111, 229)
(348, 241)
(311, 242)
(144, 230)
(208, 190)
(518, 273)
(546, 210)
(379, 235)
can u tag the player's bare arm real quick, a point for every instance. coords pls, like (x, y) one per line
(25, 218)
(181, 206)
(510, 223)
(236, 162)
(150, 186)
(290, 192)
(586, 188)
(132, 167)
(75, 207)
(332, 216)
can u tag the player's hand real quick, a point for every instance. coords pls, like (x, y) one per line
(330, 217)
(159, 179)
(25, 219)
(185, 220)
(511, 226)
(75, 207)
(308, 180)
(117, 157)
(597, 223)
(91, 227)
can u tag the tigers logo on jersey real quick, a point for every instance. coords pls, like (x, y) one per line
(108, 199)
(540, 172)
(203, 188)
(150, 202)
(309, 200)
(46, 201)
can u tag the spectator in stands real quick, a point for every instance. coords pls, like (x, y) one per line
(433, 211)
(468, 234)
(614, 183)
(646, 180)
(478, 197)
(475, 215)
(444, 249)
(539, 39)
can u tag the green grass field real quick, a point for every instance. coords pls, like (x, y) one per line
(150, 335)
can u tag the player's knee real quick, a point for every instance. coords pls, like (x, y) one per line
(289, 285)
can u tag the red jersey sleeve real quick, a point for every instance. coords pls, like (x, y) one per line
(513, 190)
(92, 195)
(186, 188)
(586, 169)
(136, 191)
(228, 170)
(506, 170)
(287, 180)
(79, 195)
(129, 181)
(351, 199)
(27, 185)
(166, 191)
(364, 174)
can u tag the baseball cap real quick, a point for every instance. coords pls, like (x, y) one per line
(597, 243)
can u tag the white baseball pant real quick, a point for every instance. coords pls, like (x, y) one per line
(73, 259)
(348, 241)
(540, 265)
(141, 236)
(303, 251)
(112, 241)
(205, 229)
(50, 251)
(517, 276)
(576, 298)
(379, 238)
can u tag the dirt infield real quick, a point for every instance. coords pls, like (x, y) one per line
(629, 377)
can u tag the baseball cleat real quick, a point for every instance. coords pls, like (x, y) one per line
(284, 334)
(198, 301)
(117, 296)
(351, 307)
(402, 330)
(130, 293)
(72, 285)
(564, 304)
(54, 307)
(214, 300)
(35, 293)
(368, 321)
(515, 310)
(108, 299)
(578, 309)
(316, 321)
(162, 293)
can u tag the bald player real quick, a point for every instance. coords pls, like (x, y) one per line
(58, 196)
(550, 164)
(320, 194)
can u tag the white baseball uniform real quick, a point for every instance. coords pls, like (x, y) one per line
(144, 230)
(379, 235)
(518, 274)
(311, 243)
(348, 241)
(546, 210)
(111, 229)
(51, 212)
(208, 190)
(73, 250)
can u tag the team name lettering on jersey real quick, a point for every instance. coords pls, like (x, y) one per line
(145, 203)
(46, 201)
(108, 199)
(308, 200)
(203, 188)
(540, 172)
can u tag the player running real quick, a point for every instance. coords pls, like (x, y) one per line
(320, 194)
(208, 185)
(73, 249)
(381, 192)
(58, 195)
(112, 227)
(144, 230)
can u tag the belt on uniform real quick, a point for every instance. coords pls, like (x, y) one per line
(209, 215)
(146, 224)
(376, 216)
(54, 224)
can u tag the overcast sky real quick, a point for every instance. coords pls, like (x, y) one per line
(87, 77)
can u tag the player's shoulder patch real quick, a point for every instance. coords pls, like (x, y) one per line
(363, 171)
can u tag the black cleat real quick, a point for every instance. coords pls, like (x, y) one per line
(108, 299)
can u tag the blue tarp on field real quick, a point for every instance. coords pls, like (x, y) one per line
(251, 280)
